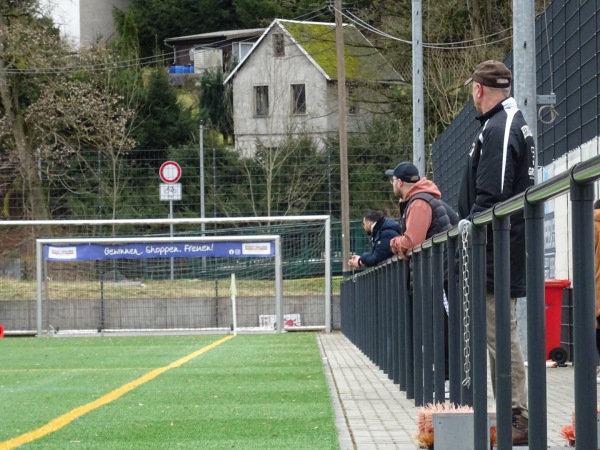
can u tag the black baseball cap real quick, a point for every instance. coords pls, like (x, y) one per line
(405, 171)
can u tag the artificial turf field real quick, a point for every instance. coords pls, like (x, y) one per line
(265, 391)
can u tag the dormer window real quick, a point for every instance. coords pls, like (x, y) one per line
(278, 45)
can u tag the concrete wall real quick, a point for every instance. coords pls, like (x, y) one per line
(95, 19)
(160, 313)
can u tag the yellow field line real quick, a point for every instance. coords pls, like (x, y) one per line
(65, 419)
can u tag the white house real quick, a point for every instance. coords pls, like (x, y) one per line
(287, 84)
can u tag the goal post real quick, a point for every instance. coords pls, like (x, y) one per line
(85, 249)
(119, 288)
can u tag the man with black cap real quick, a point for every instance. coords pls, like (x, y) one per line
(422, 211)
(501, 164)
(423, 214)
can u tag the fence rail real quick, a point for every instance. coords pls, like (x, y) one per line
(394, 328)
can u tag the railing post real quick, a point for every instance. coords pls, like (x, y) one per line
(387, 317)
(417, 331)
(427, 324)
(407, 318)
(582, 197)
(454, 322)
(536, 325)
(503, 303)
(392, 277)
(371, 297)
(478, 339)
(437, 278)
(400, 301)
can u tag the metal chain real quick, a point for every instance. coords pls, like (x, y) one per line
(466, 304)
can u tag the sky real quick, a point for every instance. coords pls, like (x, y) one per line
(66, 14)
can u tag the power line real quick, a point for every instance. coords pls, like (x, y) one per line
(166, 57)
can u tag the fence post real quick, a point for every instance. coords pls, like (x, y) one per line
(439, 357)
(454, 321)
(503, 305)
(478, 340)
(536, 326)
(582, 197)
(390, 269)
(417, 332)
(427, 323)
(408, 329)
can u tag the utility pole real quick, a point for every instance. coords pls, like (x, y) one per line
(341, 74)
(417, 81)
(524, 71)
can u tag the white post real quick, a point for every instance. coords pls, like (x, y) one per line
(233, 290)
(278, 285)
(328, 275)
(39, 246)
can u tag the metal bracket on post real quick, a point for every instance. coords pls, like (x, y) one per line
(549, 99)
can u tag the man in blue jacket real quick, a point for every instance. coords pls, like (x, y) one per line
(382, 230)
(501, 164)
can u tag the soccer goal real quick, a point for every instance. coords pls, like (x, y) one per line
(181, 283)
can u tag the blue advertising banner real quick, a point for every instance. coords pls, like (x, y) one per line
(85, 252)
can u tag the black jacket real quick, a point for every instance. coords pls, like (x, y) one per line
(384, 231)
(500, 165)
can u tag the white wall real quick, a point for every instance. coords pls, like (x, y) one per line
(561, 207)
(279, 73)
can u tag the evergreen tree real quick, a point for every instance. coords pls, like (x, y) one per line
(162, 122)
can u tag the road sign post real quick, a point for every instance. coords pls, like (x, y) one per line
(169, 173)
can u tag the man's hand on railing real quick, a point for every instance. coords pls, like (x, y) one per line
(397, 248)
(354, 261)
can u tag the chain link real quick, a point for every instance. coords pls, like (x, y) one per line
(466, 304)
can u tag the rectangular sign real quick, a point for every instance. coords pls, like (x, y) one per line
(170, 191)
(86, 252)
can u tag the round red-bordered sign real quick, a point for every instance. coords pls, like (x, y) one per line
(170, 172)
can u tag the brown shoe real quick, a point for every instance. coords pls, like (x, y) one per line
(520, 428)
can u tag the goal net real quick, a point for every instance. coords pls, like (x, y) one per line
(176, 282)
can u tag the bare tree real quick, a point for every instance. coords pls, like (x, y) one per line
(56, 104)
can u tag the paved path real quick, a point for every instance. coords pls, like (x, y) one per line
(373, 414)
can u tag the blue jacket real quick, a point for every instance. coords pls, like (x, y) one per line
(383, 232)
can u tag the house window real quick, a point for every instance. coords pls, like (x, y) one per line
(240, 50)
(278, 45)
(298, 99)
(352, 105)
(261, 100)
(352, 109)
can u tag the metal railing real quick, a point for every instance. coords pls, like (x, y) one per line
(403, 334)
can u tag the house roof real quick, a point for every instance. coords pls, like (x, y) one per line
(317, 41)
(229, 34)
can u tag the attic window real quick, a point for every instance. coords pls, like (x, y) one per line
(298, 99)
(278, 45)
(261, 101)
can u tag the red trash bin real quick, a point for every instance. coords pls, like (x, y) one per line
(554, 303)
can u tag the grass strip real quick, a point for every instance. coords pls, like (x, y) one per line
(253, 392)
